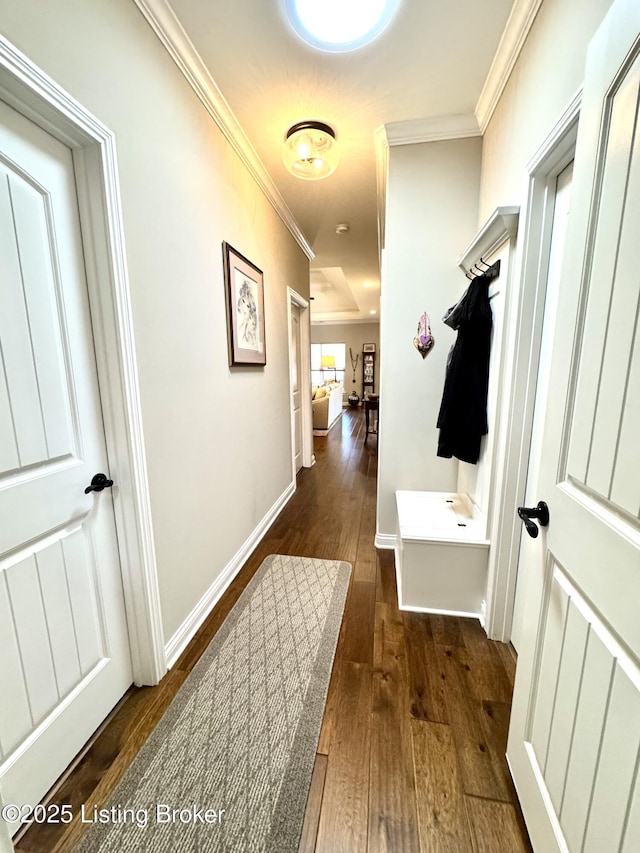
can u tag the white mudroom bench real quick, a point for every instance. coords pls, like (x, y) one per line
(441, 554)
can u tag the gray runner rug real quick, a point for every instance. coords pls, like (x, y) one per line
(228, 767)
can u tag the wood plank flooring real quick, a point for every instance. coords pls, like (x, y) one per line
(411, 752)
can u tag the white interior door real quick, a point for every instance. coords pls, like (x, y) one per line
(64, 658)
(574, 741)
(296, 395)
(530, 552)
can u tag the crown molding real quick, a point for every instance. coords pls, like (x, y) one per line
(515, 33)
(413, 132)
(432, 129)
(325, 321)
(172, 35)
(501, 226)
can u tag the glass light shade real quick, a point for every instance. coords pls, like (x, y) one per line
(339, 25)
(310, 150)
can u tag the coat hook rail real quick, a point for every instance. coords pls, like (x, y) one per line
(492, 271)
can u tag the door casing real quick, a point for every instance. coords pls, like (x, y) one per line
(558, 195)
(308, 459)
(512, 458)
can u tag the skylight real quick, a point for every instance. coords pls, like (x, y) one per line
(339, 25)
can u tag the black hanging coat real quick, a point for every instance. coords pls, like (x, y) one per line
(462, 420)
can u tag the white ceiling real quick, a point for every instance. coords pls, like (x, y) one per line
(431, 61)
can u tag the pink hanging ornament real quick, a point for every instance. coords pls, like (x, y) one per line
(424, 340)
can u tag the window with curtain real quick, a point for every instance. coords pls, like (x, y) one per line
(327, 363)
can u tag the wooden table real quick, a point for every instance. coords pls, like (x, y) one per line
(371, 405)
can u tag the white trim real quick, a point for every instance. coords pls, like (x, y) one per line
(381, 145)
(515, 34)
(29, 90)
(432, 129)
(185, 633)
(343, 322)
(529, 286)
(413, 132)
(299, 300)
(386, 541)
(448, 541)
(561, 138)
(500, 229)
(501, 226)
(305, 386)
(171, 33)
(466, 614)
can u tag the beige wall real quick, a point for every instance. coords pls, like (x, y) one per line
(218, 441)
(546, 76)
(432, 208)
(353, 335)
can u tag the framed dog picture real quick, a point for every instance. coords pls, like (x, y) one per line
(244, 285)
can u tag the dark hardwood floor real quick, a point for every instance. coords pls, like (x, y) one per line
(411, 752)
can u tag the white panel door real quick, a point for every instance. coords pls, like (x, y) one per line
(296, 395)
(64, 659)
(574, 739)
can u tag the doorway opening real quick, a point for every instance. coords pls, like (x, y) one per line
(299, 381)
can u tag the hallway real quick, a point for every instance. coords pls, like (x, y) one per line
(411, 752)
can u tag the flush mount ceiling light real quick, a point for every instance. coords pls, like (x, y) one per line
(310, 151)
(339, 25)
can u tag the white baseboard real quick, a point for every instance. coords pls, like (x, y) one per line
(185, 633)
(439, 612)
(387, 541)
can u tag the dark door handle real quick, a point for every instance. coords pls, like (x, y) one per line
(98, 483)
(539, 512)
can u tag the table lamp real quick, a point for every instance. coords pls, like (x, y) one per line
(328, 362)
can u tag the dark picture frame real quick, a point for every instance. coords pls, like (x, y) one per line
(244, 289)
(368, 347)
